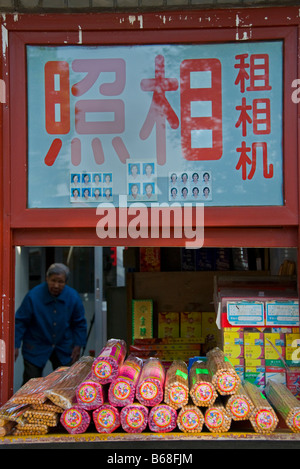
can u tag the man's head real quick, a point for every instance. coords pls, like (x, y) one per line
(57, 277)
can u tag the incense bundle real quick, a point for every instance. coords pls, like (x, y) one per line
(122, 389)
(106, 365)
(216, 418)
(63, 392)
(6, 427)
(30, 429)
(239, 406)
(284, 403)
(134, 418)
(177, 385)
(263, 418)
(90, 393)
(75, 420)
(150, 387)
(202, 390)
(162, 418)
(190, 419)
(225, 378)
(106, 418)
(41, 417)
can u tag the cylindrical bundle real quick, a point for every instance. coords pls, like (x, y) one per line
(6, 428)
(106, 365)
(263, 418)
(43, 417)
(225, 378)
(150, 387)
(177, 385)
(122, 389)
(239, 406)
(75, 420)
(216, 418)
(202, 390)
(190, 419)
(30, 429)
(106, 418)
(47, 406)
(134, 417)
(10, 411)
(285, 404)
(90, 393)
(63, 392)
(162, 418)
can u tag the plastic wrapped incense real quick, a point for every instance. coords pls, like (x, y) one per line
(90, 394)
(285, 404)
(43, 417)
(122, 389)
(47, 406)
(216, 418)
(239, 406)
(63, 392)
(75, 420)
(190, 419)
(30, 429)
(13, 412)
(177, 385)
(202, 390)
(134, 417)
(150, 387)
(106, 418)
(162, 418)
(6, 428)
(263, 418)
(225, 378)
(106, 365)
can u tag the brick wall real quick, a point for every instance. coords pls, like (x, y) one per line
(37, 6)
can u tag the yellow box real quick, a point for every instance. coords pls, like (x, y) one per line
(254, 351)
(233, 351)
(168, 325)
(233, 338)
(292, 340)
(190, 324)
(274, 345)
(253, 338)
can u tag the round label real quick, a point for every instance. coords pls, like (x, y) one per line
(103, 369)
(178, 394)
(189, 420)
(204, 392)
(106, 418)
(135, 418)
(296, 420)
(265, 419)
(227, 382)
(121, 390)
(214, 418)
(162, 417)
(239, 407)
(72, 418)
(148, 390)
(87, 393)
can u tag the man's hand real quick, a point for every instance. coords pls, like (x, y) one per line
(16, 353)
(75, 353)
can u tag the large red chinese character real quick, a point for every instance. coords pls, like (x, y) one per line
(261, 116)
(268, 170)
(242, 75)
(204, 95)
(258, 72)
(160, 109)
(244, 116)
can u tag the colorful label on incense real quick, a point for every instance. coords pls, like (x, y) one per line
(214, 418)
(72, 418)
(106, 418)
(239, 408)
(121, 390)
(135, 418)
(296, 420)
(162, 417)
(190, 420)
(149, 390)
(87, 393)
(178, 394)
(204, 392)
(103, 369)
(265, 419)
(227, 382)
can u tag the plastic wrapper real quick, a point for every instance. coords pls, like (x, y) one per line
(48, 406)
(42, 417)
(190, 419)
(216, 418)
(106, 365)
(285, 404)
(122, 389)
(63, 392)
(75, 420)
(30, 429)
(134, 418)
(11, 411)
(177, 385)
(263, 418)
(7, 428)
(239, 406)
(90, 394)
(225, 378)
(202, 390)
(106, 418)
(150, 387)
(162, 418)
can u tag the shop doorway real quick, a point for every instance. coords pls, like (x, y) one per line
(96, 273)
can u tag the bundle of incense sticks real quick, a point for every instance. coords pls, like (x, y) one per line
(190, 419)
(239, 406)
(263, 418)
(122, 389)
(177, 385)
(285, 404)
(150, 387)
(162, 418)
(75, 420)
(106, 418)
(90, 394)
(216, 417)
(225, 378)
(134, 417)
(202, 390)
(106, 365)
